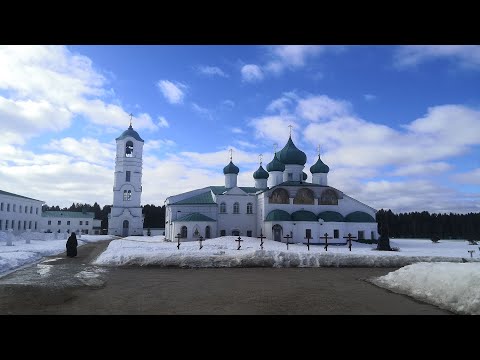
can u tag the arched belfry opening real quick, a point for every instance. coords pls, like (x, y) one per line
(129, 149)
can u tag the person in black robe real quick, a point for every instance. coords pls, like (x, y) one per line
(72, 245)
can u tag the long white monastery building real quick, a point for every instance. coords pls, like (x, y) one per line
(19, 213)
(281, 203)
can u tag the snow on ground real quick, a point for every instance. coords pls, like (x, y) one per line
(455, 287)
(21, 253)
(222, 252)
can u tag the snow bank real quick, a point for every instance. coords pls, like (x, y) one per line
(222, 252)
(455, 287)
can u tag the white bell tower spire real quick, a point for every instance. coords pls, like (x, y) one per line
(126, 216)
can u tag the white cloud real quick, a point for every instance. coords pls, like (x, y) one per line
(280, 105)
(251, 73)
(204, 112)
(275, 128)
(211, 71)
(172, 91)
(432, 168)
(246, 144)
(237, 130)
(228, 103)
(316, 108)
(467, 56)
(291, 56)
(369, 97)
(162, 122)
(469, 177)
(157, 144)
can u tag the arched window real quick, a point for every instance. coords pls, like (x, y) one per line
(328, 197)
(207, 232)
(183, 232)
(223, 208)
(129, 195)
(236, 208)
(249, 208)
(125, 195)
(279, 196)
(304, 196)
(129, 149)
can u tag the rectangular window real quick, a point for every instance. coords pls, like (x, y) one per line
(49, 222)
(86, 231)
(1, 207)
(372, 235)
(68, 222)
(36, 211)
(127, 176)
(20, 208)
(14, 207)
(6, 224)
(35, 225)
(0, 224)
(19, 224)
(249, 233)
(30, 224)
(59, 222)
(86, 222)
(290, 176)
(308, 233)
(361, 234)
(8, 207)
(223, 232)
(13, 224)
(31, 209)
(336, 234)
(25, 225)
(81, 222)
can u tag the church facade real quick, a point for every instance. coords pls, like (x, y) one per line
(126, 216)
(282, 203)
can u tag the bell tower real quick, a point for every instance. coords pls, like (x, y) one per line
(126, 216)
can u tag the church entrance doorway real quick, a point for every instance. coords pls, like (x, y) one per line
(277, 232)
(207, 232)
(235, 232)
(125, 228)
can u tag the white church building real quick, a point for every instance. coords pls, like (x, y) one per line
(281, 203)
(126, 216)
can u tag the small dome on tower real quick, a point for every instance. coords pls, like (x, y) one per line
(275, 165)
(291, 155)
(319, 167)
(231, 168)
(130, 132)
(260, 173)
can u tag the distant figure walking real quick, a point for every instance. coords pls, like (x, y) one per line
(72, 245)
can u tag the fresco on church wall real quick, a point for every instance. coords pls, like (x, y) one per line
(328, 197)
(304, 196)
(279, 196)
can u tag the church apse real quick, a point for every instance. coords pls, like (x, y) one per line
(304, 197)
(328, 197)
(279, 196)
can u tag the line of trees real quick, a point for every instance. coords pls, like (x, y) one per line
(425, 225)
(154, 215)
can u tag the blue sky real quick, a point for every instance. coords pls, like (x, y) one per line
(398, 125)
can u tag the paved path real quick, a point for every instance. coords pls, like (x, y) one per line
(61, 285)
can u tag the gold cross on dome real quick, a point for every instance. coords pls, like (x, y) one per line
(131, 116)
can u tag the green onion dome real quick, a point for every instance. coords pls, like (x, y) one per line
(260, 173)
(231, 169)
(290, 155)
(319, 167)
(275, 165)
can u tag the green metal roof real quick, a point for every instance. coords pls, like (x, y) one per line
(305, 176)
(319, 167)
(359, 216)
(195, 217)
(304, 215)
(290, 154)
(329, 216)
(130, 132)
(231, 168)
(298, 183)
(20, 196)
(275, 164)
(205, 198)
(260, 173)
(221, 189)
(68, 214)
(278, 215)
